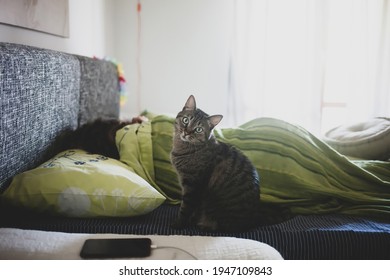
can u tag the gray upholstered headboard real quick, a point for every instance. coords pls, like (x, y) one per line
(42, 93)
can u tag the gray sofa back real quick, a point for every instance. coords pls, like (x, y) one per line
(44, 92)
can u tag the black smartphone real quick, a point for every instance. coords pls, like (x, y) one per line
(116, 248)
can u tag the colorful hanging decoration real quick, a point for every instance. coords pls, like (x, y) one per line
(122, 84)
(121, 79)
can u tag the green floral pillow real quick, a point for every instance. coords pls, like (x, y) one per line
(77, 184)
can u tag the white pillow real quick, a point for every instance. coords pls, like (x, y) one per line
(365, 140)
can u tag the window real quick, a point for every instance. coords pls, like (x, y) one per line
(315, 63)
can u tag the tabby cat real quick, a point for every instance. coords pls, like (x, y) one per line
(220, 186)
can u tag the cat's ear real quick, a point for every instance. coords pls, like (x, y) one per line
(190, 104)
(214, 120)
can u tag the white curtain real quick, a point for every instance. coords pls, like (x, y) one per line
(316, 63)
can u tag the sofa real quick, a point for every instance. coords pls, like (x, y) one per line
(44, 93)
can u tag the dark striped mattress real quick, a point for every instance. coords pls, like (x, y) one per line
(302, 237)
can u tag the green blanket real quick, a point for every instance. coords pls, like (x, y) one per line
(299, 174)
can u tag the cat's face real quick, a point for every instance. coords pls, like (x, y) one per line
(194, 126)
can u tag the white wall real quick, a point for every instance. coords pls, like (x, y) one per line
(89, 27)
(184, 49)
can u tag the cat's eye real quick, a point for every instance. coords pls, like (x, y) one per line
(199, 130)
(185, 120)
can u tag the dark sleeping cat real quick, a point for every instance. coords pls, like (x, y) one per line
(97, 137)
(220, 186)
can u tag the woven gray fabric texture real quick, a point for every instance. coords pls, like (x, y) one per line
(40, 96)
(99, 90)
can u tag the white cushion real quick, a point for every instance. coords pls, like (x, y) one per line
(35, 244)
(365, 140)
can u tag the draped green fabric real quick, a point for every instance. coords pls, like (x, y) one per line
(299, 173)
